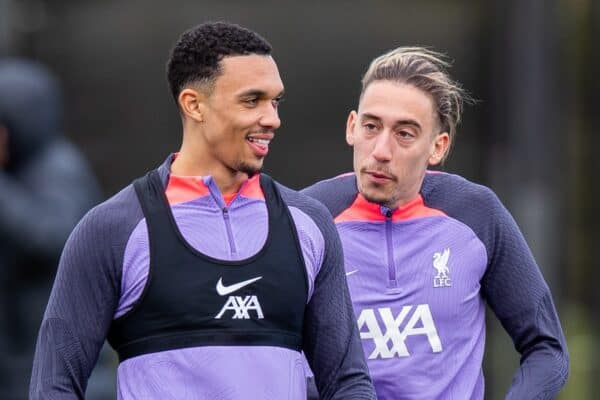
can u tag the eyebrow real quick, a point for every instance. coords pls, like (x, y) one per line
(257, 93)
(407, 121)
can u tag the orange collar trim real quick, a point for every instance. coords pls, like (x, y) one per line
(181, 189)
(364, 210)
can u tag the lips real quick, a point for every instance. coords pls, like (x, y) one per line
(379, 177)
(259, 143)
(378, 174)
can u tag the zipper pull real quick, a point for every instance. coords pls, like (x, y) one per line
(386, 211)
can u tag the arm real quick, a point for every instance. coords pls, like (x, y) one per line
(513, 285)
(331, 342)
(80, 310)
(43, 201)
(517, 293)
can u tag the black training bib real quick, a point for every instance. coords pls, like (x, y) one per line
(191, 299)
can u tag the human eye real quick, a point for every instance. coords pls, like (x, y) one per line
(277, 101)
(251, 101)
(369, 126)
(405, 134)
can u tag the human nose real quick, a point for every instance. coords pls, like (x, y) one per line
(382, 151)
(270, 117)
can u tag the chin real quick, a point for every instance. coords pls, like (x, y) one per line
(250, 169)
(373, 192)
(376, 197)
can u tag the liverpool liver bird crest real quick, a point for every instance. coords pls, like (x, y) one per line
(440, 261)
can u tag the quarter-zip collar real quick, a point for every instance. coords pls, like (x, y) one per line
(364, 210)
(181, 189)
(216, 193)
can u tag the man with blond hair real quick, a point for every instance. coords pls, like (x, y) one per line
(425, 251)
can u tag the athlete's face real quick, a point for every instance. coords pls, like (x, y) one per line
(240, 115)
(395, 134)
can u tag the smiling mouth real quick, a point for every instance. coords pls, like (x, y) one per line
(259, 143)
(263, 142)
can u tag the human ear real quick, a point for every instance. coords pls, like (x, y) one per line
(350, 124)
(191, 102)
(439, 148)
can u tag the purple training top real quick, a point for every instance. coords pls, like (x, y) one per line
(418, 276)
(235, 235)
(102, 274)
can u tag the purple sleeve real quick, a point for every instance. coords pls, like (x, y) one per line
(83, 300)
(513, 285)
(331, 342)
(517, 293)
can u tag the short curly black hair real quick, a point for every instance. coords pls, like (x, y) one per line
(198, 52)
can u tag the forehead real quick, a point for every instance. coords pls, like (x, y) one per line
(249, 72)
(397, 101)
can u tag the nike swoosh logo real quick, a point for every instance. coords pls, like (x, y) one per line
(225, 290)
(351, 272)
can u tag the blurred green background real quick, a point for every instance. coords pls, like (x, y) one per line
(532, 64)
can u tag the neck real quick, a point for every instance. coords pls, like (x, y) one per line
(227, 180)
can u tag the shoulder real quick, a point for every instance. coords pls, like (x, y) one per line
(475, 205)
(460, 198)
(316, 217)
(108, 225)
(95, 249)
(308, 205)
(336, 193)
(117, 213)
(438, 185)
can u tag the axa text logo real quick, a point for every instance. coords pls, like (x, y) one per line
(240, 306)
(390, 341)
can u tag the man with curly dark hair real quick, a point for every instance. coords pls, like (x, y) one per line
(207, 277)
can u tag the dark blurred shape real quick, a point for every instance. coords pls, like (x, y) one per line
(45, 187)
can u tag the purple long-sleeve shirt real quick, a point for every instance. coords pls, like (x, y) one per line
(103, 271)
(419, 277)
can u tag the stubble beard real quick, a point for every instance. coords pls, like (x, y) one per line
(376, 193)
(248, 169)
(380, 198)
